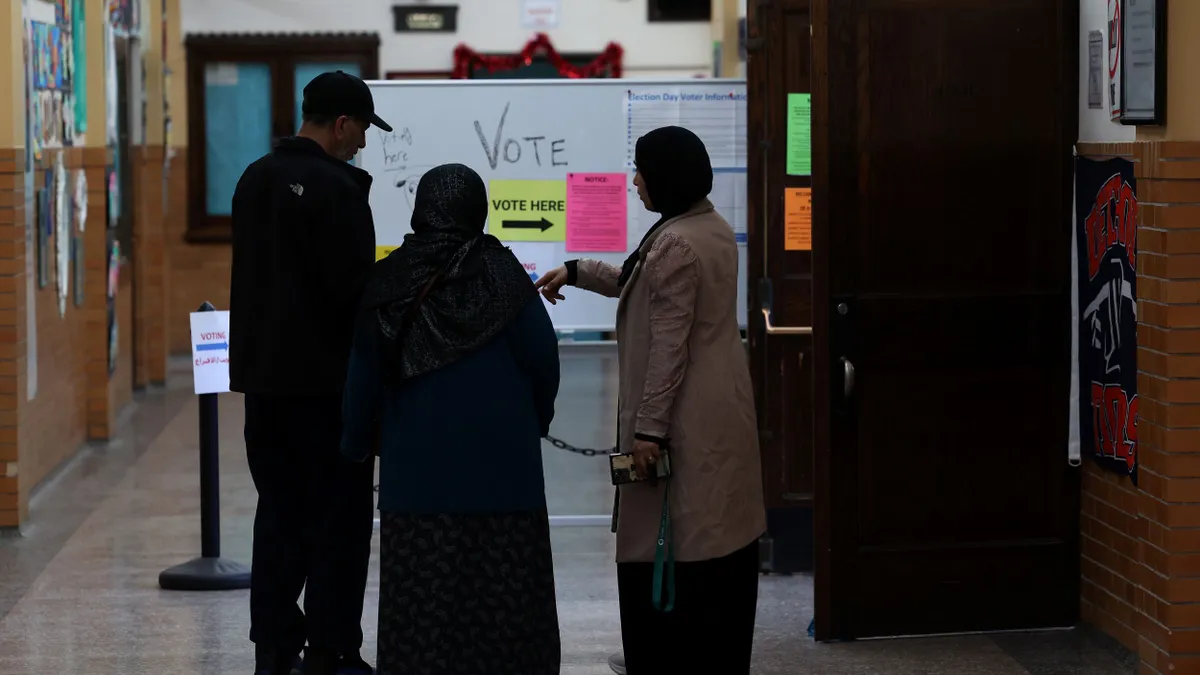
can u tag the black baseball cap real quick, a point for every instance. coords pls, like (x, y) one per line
(340, 93)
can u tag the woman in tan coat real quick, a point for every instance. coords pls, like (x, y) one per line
(684, 387)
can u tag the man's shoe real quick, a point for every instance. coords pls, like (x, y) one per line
(320, 662)
(269, 661)
(348, 665)
(617, 663)
(354, 665)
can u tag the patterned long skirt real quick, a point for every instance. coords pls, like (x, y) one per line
(467, 594)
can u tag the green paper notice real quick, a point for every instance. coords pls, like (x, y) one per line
(799, 135)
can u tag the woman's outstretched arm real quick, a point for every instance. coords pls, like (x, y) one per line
(590, 275)
(595, 276)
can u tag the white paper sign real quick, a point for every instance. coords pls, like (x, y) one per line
(62, 233)
(540, 13)
(1095, 87)
(41, 11)
(221, 75)
(210, 352)
(537, 258)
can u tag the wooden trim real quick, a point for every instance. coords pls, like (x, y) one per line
(1068, 102)
(825, 520)
(271, 44)
(696, 12)
(418, 75)
(282, 52)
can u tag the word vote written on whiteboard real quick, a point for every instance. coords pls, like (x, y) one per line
(534, 149)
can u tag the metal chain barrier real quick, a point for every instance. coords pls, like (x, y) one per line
(586, 452)
(563, 445)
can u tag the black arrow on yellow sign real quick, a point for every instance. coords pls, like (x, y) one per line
(542, 224)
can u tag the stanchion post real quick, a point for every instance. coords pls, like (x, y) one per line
(210, 478)
(209, 572)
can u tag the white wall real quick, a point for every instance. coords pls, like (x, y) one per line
(1094, 125)
(651, 50)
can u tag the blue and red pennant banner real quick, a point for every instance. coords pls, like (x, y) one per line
(1106, 217)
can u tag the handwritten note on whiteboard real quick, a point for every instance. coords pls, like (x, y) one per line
(210, 352)
(597, 213)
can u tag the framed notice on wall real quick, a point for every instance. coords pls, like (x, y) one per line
(1143, 62)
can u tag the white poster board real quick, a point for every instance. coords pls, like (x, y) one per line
(210, 352)
(557, 157)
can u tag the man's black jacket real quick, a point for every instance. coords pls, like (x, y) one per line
(303, 246)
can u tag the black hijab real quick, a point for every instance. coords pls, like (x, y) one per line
(480, 286)
(677, 174)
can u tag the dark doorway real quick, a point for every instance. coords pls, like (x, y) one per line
(938, 292)
(126, 51)
(781, 283)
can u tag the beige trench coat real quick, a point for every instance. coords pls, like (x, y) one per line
(684, 376)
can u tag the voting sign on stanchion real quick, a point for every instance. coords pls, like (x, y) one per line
(210, 352)
(210, 367)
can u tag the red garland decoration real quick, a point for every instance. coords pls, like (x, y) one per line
(466, 60)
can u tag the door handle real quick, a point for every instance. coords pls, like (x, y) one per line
(766, 294)
(847, 378)
(772, 329)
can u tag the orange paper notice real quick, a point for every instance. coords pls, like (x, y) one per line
(797, 219)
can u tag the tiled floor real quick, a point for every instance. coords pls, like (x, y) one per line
(79, 594)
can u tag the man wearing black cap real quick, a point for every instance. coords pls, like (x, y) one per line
(303, 245)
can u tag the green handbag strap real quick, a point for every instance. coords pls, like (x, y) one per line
(664, 557)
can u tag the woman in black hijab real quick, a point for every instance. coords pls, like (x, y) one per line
(684, 390)
(452, 378)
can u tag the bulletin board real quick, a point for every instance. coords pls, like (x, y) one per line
(58, 92)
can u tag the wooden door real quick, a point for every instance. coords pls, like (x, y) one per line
(781, 283)
(926, 417)
(942, 141)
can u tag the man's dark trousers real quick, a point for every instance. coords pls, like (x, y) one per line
(312, 529)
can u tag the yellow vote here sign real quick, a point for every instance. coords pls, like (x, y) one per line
(382, 252)
(528, 210)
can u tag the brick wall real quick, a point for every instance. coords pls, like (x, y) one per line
(107, 394)
(198, 272)
(76, 399)
(149, 268)
(55, 422)
(12, 352)
(1141, 546)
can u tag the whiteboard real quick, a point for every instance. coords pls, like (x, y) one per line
(536, 141)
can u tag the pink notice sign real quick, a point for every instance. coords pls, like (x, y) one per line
(597, 209)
